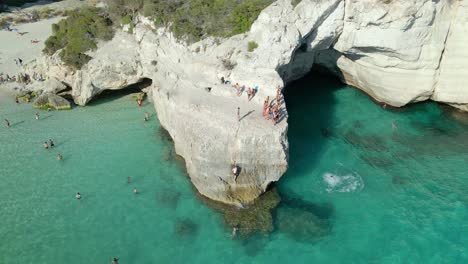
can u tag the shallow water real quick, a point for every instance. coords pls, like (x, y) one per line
(357, 190)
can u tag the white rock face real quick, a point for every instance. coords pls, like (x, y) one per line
(451, 86)
(392, 51)
(398, 51)
(200, 114)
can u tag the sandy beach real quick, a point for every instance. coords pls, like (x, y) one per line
(14, 45)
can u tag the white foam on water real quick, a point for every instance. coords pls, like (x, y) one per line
(350, 182)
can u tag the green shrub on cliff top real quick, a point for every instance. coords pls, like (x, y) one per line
(77, 34)
(195, 19)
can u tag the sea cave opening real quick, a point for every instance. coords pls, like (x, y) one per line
(135, 88)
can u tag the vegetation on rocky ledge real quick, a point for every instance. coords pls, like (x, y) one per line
(190, 20)
(193, 20)
(78, 34)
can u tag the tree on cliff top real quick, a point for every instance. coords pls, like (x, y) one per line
(194, 19)
(77, 34)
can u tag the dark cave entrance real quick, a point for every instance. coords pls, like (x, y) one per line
(110, 95)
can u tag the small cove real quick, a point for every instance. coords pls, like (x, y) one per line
(396, 195)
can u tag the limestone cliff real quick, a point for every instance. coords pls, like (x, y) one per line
(398, 51)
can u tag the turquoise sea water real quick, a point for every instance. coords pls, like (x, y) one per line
(357, 191)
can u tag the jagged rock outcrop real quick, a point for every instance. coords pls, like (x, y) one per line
(52, 85)
(397, 51)
(392, 51)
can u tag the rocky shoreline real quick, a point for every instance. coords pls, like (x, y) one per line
(399, 53)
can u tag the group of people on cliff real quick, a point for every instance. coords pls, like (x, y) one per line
(251, 92)
(271, 109)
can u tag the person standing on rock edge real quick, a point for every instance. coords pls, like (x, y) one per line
(238, 114)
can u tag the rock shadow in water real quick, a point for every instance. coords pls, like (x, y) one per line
(185, 227)
(310, 102)
(255, 244)
(368, 142)
(304, 221)
(398, 180)
(378, 161)
(455, 114)
(163, 135)
(168, 198)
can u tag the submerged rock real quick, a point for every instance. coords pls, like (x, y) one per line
(303, 221)
(168, 198)
(252, 219)
(185, 227)
(52, 101)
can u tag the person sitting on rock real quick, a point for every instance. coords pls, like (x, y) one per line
(278, 96)
(266, 105)
(237, 87)
(275, 116)
(250, 93)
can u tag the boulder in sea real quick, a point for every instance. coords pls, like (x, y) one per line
(53, 101)
(252, 219)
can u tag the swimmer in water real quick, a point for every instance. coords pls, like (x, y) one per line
(37, 116)
(78, 195)
(59, 157)
(129, 179)
(51, 143)
(135, 191)
(115, 261)
(146, 116)
(45, 145)
(7, 122)
(234, 231)
(394, 126)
